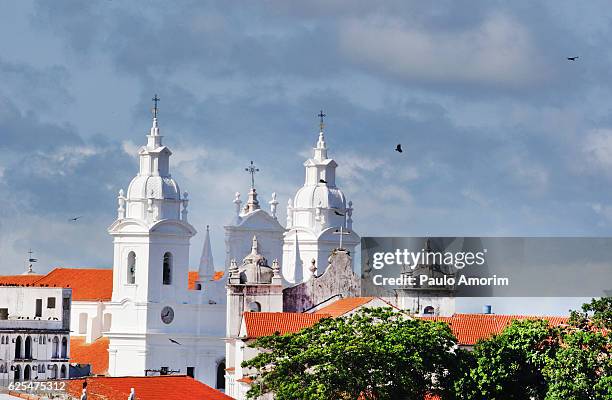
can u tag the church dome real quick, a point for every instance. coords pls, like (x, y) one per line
(157, 187)
(320, 196)
(255, 268)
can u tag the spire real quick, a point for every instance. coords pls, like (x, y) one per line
(154, 138)
(298, 273)
(252, 203)
(320, 152)
(255, 246)
(206, 270)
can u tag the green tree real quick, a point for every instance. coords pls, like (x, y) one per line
(375, 353)
(509, 365)
(582, 368)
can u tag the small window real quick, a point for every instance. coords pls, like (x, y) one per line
(66, 303)
(191, 372)
(429, 310)
(131, 268)
(254, 307)
(3, 313)
(167, 269)
(51, 302)
(38, 308)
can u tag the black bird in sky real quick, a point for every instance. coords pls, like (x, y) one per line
(75, 218)
(398, 148)
(322, 181)
(337, 213)
(174, 341)
(572, 58)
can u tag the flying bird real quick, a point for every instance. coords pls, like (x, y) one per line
(337, 213)
(322, 181)
(75, 218)
(174, 341)
(572, 58)
(398, 148)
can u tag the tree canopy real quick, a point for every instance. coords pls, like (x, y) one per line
(384, 354)
(373, 354)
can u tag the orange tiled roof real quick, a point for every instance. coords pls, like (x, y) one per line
(469, 328)
(86, 284)
(343, 306)
(260, 324)
(19, 280)
(169, 387)
(95, 353)
(193, 277)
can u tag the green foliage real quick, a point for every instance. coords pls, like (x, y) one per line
(380, 354)
(582, 368)
(375, 353)
(508, 366)
(597, 313)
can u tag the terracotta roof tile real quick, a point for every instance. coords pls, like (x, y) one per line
(343, 306)
(170, 387)
(86, 284)
(245, 380)
(260, 324)
(19, 280)
(95, 353)
(469, 328)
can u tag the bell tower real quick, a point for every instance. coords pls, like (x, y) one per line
(319, 219)
(151, 233)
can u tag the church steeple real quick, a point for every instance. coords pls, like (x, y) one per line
(252, 202)
(206, 269)
(320, 152)
(154, 139)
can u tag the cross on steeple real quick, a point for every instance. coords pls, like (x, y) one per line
(252, 170)
(155, 108)
(321, 115)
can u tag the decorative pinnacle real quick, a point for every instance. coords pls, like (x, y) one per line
(321, 116)
(155, 109)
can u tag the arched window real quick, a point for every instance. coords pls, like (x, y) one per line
(64, 347)
(220, 375)
(131, 268)
(2, 340)
(55, 347)
(254, 307)
(1, 368)
(17, 374)
(167, 269)
(18, 347)
(28, 348)
(63, 374)
(27, 373)
(429, 310)
(54, 373)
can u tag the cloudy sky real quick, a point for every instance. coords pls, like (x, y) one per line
(502, 135)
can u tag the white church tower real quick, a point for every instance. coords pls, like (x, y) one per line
(151, 305)
(319, 219)
(252, 220)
